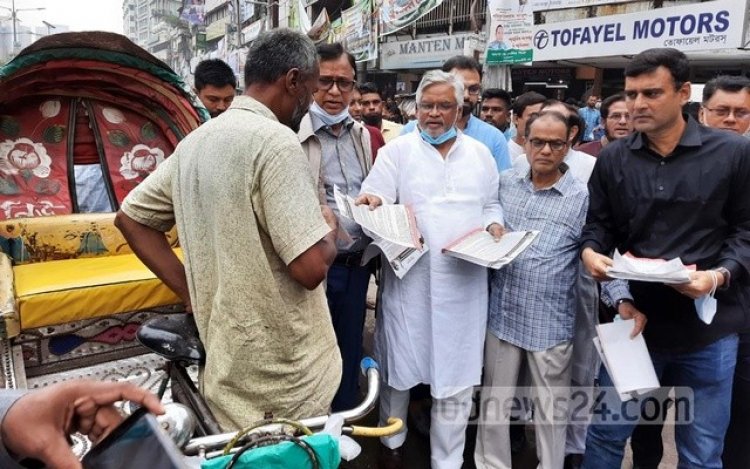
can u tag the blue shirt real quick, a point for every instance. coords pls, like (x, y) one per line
(592, 118)
(531, 305)
(487, 134)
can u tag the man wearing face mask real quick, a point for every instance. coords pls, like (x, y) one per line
(339, 152)
(432, 323)
(255, 243)
(470, 72)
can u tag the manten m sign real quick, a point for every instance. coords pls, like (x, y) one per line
(422, 53)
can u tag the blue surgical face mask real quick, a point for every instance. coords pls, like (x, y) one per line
(440, 139)
(326, 118)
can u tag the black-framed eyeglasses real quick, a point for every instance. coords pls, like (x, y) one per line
(326, 83)
(739, 114)
(474, 89)
(442, 107)
(554, 145)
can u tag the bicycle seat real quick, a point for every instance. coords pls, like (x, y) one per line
(174, 337)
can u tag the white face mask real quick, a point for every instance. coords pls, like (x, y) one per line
(326, 118)
(706, 304)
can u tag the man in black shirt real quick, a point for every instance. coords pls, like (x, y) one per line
(673, 189)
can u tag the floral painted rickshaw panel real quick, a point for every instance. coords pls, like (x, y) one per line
(33, 159)
(133, 146)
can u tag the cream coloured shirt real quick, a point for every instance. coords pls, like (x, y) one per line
(240, 191)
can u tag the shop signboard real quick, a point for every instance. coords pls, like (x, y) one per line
(717, 24)
(429, 52)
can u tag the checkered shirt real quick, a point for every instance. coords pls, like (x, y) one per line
(532, 302)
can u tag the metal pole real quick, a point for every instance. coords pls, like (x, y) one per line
(239, 23)
(13, 17)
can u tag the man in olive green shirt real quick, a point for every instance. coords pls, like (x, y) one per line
(256, 245)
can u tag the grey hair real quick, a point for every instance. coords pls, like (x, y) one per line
(276, 52)
(436, 77)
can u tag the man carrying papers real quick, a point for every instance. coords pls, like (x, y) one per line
(532, 311)
(432, 323)
(674, 189)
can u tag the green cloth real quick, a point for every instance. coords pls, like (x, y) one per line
(284, 455)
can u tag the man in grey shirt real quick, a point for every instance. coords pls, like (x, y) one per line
(339, 152)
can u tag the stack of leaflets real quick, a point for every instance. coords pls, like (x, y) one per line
(393, 228)
(629, 267)
(480, 247)
(627, 360)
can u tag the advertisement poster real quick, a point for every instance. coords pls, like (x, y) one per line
(359, 32)
(510, 33)
(397, 14)
(193, 11)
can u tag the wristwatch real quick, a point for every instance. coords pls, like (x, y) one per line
(621, 301)
(726, 274)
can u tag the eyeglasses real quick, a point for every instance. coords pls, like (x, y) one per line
(618, 117)
(740, 114)
(474, 89)
(442, 107)
(326, 83)
(554, 145)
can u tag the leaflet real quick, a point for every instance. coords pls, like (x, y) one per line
(394, 223)
(479, 247)
(628, 267)
(400, 258)
(627, 360)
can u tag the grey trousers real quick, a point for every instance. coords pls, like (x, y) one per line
(550, 379)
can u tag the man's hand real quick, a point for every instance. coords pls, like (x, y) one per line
(627, 310)
(496, 230)
(368, 199)
(38, 425)
(597, 264)
(330, 217)
(701, 283)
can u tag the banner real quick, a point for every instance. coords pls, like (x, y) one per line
(193, 11)
(397, 14)
(710, 25)
(544, 5)
(359, 31)
(510, 33)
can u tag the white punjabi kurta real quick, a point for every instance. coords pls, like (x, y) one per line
(432, 324)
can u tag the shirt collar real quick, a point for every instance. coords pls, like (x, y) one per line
(250, 104)
(562, 186)
(691, 136)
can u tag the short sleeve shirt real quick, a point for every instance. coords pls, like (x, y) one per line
(240, 191)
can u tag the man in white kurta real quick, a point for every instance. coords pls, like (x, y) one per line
(432, 322)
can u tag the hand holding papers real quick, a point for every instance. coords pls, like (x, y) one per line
(627, 360)
(395, 230)
(479, 247)
(649, 270)
(394, 223)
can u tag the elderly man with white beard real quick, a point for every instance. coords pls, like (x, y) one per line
(432, 323)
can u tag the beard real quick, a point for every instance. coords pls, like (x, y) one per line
(299, 112)
(374, 120)
(466, 109)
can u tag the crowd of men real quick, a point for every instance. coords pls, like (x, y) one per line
(274, 275)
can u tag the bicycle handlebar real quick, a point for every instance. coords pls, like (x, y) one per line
(369, 368)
